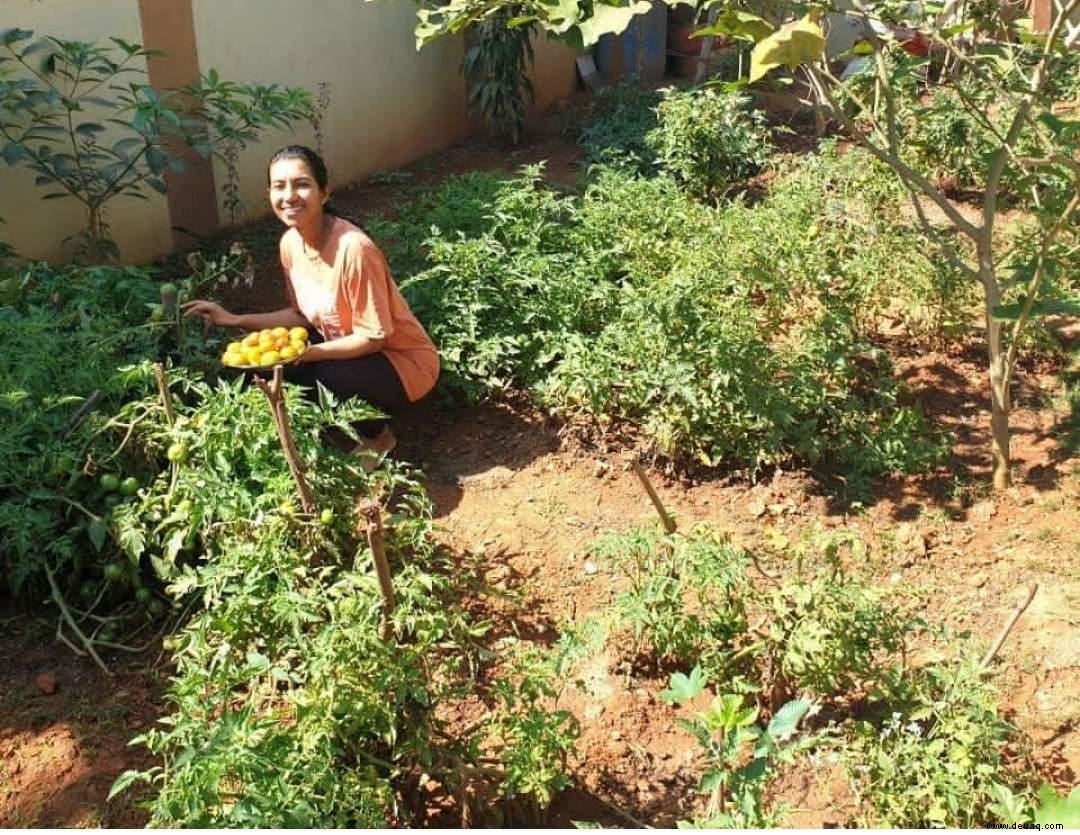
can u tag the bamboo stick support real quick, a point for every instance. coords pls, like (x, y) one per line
(373, 523)
(166, 395)
(669, 523)
(280, 414)
(1008, 627)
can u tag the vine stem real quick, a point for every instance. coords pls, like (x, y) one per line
(88, 404)
(65, 615)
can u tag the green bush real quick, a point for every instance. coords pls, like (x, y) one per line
(684, 597)
(740, 336)
(290, 706)
(688, 600)
(947, 141)
(74, 337)
(935, 755)
(709, 141)
(617, 124)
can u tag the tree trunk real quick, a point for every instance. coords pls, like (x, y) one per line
(95, 251)
(1000, 403)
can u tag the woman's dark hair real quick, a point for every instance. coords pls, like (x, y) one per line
(313, 160)
(318, 170)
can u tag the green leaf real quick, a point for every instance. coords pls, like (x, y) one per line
(89, 128)
(799, 42)
(1056, 810)
(126, 779)
(710, 780)
(1007, 806)
(786, 721)
(610, 20)
(1043, 307)
(13, 36)
(97, 532)
(957, 29)
(682, 688)
(13, 152)
(564, 15)
(736, 24)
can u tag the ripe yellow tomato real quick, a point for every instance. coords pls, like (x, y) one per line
(269, 358)
(234, 348)
(253, 355)
(233, 359)
(299, 346)
(279, 332)
(251, 340)
(298, 334)
(288, 352)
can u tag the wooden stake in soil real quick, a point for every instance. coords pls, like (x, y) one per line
(669, 523)
(166, 395)
(1007, 628)
(281, 423)
(373, 517)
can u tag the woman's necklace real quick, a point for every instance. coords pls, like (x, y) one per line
(315, 253)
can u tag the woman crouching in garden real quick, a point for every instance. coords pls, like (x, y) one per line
(366, 342)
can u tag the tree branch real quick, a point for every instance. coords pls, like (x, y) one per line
(894, 162)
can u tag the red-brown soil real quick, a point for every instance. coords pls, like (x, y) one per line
(526, 499)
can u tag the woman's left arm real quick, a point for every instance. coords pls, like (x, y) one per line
(343, 348)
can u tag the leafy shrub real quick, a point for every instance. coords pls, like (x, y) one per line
(77, 332)
(289, 705)
(947, 141)
(52, 86)
(689, 600)
(617, 124)
(708, 141)
(684, 596)
(740, 335)
(829, 634)
(497, 66)
(934, 757)
(741, 756)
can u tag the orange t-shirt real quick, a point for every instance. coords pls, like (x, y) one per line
(346, 288)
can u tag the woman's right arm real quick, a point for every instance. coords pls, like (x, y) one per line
(214, 314)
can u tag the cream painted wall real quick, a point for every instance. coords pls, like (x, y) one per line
(34, 226)
(389, 104)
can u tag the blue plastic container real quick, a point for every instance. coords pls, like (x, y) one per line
(640, 52)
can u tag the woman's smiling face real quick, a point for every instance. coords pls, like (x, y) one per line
(295, 194)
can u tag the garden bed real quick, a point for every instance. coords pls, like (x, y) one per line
(518, 499)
